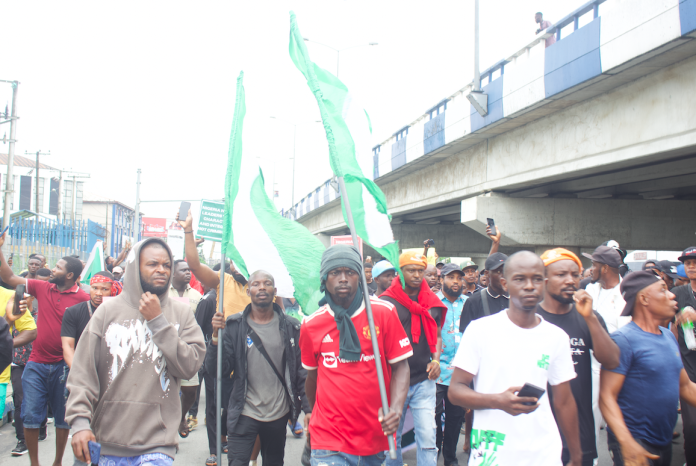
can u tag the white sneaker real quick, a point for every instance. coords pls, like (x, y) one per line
(49, 421)
(252, 463)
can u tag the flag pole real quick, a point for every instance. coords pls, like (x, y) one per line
(218, 382)
(370, 318)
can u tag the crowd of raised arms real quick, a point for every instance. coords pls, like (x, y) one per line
(528, 358)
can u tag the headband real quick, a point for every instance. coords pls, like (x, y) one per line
(100, 279)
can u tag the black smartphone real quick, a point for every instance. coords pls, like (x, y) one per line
(491, 224)
(532, 391)
(184, 210)
(19, 296)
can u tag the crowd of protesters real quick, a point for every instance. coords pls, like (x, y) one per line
(529, 358)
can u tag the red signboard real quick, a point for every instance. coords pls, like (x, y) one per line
(156, 227)
(347, 239)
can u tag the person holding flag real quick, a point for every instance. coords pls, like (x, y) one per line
(347, 425)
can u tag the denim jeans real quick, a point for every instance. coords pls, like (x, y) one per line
(421, 400)
(150, 459)
(665, 453)
(337, 458)
(448, 434)
(42, 386)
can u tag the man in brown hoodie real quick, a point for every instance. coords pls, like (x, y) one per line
(125, 377)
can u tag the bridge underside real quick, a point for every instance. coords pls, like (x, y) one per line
(621, 166)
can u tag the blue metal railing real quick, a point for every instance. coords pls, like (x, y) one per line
(47, 232)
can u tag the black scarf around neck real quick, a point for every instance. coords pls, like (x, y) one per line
(349, 343)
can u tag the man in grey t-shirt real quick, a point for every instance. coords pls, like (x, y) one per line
(261, 352)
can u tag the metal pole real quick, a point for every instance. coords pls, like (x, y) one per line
(477, 73)
(9, 191)
(60, 194)
(136, 221)
(218, 382)
(370, 320)
(294, 139)
(38, 152)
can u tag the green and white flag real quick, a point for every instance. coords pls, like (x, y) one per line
(94, 264)
(348, 132)
(255, 236)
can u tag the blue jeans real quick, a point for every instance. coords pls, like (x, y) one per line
(337, 458)
(151, 459)
(421, 399)
(42, 386)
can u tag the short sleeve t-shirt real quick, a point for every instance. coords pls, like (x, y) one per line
(649, 397)
(344, 417)
(25, 322)
(75, 320)
(193, 296)
(48, 348)
(235, 299)
(575, 326)
(473, 307)
(265, 397)
(501, 355)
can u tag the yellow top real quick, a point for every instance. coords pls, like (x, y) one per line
(235, 297)
(26, 322)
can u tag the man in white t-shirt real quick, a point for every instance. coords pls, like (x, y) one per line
(605, 290)
(501, 353)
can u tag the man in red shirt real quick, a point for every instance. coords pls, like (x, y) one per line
(43, 380)
(347, 425)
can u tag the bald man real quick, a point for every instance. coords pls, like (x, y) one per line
(260, 344)
(501, 353)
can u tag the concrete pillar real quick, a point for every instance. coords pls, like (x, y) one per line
(584, 223)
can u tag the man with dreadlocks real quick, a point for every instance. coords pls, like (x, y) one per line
(347, 424)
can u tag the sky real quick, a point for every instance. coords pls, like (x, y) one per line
(109, 88)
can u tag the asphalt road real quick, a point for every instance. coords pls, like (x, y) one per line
(194, 449)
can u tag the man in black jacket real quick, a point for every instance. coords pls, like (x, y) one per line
(262, 400)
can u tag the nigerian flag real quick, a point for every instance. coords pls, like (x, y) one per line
(95, 263)
(256, 236)
(348, 132)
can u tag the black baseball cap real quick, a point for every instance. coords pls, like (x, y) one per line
(689, 253)
(495, 260)
(632, 285)
(669, 268)
(605, 255)
(649, 267)
(449, 268)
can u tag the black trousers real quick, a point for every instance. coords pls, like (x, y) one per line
(193, 412)
(454, 416)
(17, 397)
(689, 424)
(240, 443)
(210, 385)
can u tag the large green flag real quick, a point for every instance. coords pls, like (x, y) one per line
(348, 133)
(255, 236)
(94, 264)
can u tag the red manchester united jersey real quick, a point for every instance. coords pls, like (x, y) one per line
(344, 417)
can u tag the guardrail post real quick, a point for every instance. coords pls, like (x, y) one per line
(577, 22)
(596, 10)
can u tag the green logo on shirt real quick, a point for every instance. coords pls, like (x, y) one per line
(544, 361)
(484, 444)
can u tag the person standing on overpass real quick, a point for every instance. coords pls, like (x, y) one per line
(543, 25)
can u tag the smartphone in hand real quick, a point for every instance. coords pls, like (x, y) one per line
(184, 210)
(491, 225)
(532, 391)
(19, 296)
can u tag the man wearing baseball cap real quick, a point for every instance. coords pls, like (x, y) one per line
(639, 397)
(471, 285)
(489, 300)
(668, 272)
(686, 303)
(604, 288)
(421, 313)
(569, 308)
(383, 274)
(452, 297)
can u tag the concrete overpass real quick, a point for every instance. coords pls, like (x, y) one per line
(589, 139)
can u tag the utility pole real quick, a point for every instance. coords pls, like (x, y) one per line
(38, 205)
(136, 220)
(9, 191)
(476, 97)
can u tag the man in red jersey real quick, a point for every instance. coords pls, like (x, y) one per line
(347, 425)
